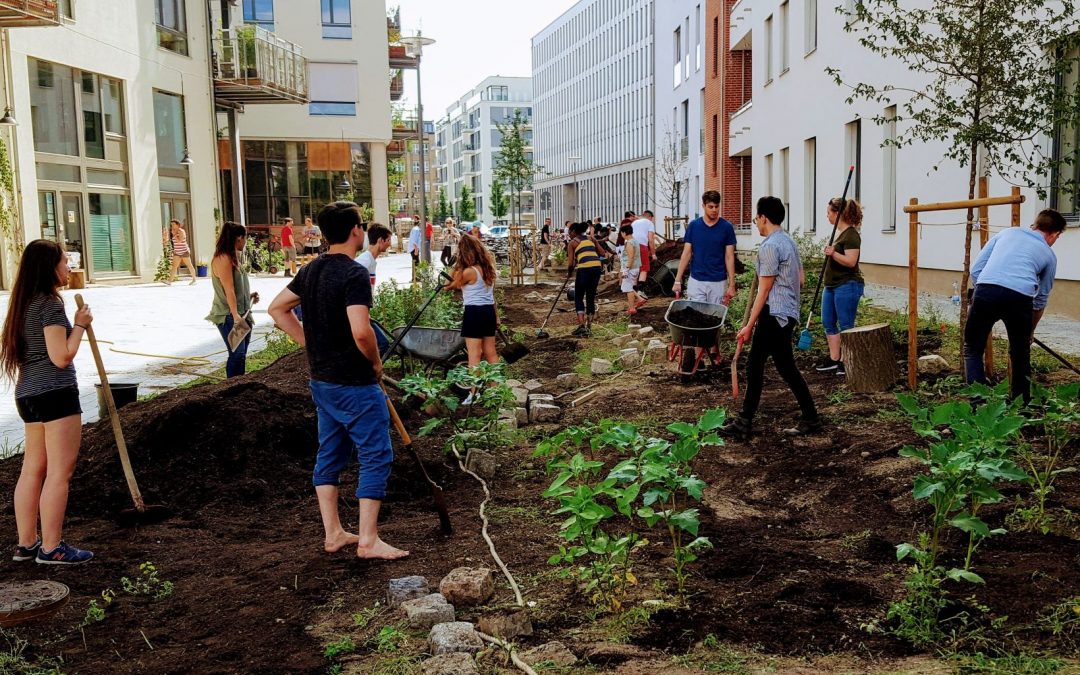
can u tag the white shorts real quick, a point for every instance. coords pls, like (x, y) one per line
(706, 291)
(629, 279)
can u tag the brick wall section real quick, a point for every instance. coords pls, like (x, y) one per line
(727, 88)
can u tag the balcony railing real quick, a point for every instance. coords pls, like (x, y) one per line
(404, 130)
(397, 86)
(17, 13)
(252, 65)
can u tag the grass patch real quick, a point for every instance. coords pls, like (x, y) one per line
(715, 657)
(600, 349)
(278, 344)
(9, 448)
(14, 660)
(1011, 664)
(500, 515)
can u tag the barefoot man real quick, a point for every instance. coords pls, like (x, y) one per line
(335, 296)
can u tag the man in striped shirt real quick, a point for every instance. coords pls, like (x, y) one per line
(774, 315)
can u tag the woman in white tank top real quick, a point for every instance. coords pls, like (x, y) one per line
(474, 273)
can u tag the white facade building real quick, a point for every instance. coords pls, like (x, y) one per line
(680, 108)
(468, 140)
(803, 136)
(593, 79)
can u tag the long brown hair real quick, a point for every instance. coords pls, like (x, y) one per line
(226, 241)
(852, 214)
(473, 253)
(37, 274)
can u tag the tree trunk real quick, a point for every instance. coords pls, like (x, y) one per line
(869, 358)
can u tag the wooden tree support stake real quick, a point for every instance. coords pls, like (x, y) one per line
(869, 358)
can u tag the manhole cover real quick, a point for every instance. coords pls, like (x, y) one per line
(27, 600)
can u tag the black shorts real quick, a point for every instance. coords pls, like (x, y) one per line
(311, 250)
(50, 406)
(478, 321)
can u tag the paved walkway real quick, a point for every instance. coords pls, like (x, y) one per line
(155, 319)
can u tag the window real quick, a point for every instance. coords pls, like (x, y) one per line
(498, 93)
(767, 48)
(677, 56)
(713, 142)
(715, 46)
(768, 175)
(259, 13)
(52, 108)
(784, 60)
(171, 25)
(852, 154)
(1065, 181)
(332, 88)
(169, 129)
(93, 126)
(66, 9)
(336, 19)
(697, 35)
(114, 110)
(810, 183)
(888, 192)
(785, 182)
(811, 26)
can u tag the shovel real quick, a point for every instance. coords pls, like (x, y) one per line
(511, 351)
(436, 490)
(541, 333)
(1057, 356)
(804, 337)
(141, 513)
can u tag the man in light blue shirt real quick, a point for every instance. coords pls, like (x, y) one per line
(1013, 277)
(414, 246)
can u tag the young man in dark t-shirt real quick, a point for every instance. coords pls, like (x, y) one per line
(335, 295)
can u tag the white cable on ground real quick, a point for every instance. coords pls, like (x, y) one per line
(483, 530)
(524, 667)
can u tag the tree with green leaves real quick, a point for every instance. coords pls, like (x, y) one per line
(514, 165)
(443, 211)
(466, 204)
(989, 86)
(498, 202)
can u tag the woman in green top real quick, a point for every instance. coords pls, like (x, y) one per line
(232, 293)
(843, 280)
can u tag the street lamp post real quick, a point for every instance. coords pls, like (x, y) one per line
(414, 46)
(574, 159)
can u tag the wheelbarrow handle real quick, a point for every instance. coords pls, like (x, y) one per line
(412, 322)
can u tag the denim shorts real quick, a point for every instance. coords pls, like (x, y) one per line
(353, 421)
(839, 306)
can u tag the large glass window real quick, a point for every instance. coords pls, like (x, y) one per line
(336, 19)
(260, 13)
(93, 123)
(1064, 192)
(110, 233)
(171, 20)
(169, 129)
(333, 89)
(52, 108)
(114, 110)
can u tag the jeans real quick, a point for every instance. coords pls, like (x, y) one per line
(989, 305)
(585, 289)
(839, 306)
(772, 339)
(353, 419)
(237, 361)
(447, 259)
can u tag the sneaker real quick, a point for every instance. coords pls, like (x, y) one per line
(64, 554)
(288, 274)
(736, 427)
(468, 400)
(632, 311)
(828, 365)
(805, 427)
(641, 301)
(840, 370)
(580, 330)
(24, 553)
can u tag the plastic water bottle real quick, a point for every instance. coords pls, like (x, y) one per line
(956, 293)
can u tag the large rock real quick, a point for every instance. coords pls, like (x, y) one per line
(453, 637)
(521, 395)
(533, 385)
(600, 366)
(522, 415)
(467, 586)
(406, 588)
(633, 327)
(554, 653)
(932, 364)
(508, 421)
(481, 462)
(620, 340)
(568, 380)
(536, 399)
(427, 611)
(628, 358)
(506, 624)
(455, 663)
(645, 333)
(514, 384)
(655, 352)
(544, 412)
(633, 344)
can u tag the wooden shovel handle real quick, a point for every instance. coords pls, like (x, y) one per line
(121, 446)
(405, 438)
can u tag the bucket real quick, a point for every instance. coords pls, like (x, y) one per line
(200, 270)
(122, 393)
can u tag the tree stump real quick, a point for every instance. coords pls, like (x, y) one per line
(869, 358)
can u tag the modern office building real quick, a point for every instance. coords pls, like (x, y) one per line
(593, 82)
(300, 152)
(680, 108)
(773, 55)
(468, 141)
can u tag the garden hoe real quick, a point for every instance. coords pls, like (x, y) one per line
(804, 337)
(541, 333)
(141, 513)
(1057, 356)
(437, 493)
(511, 351)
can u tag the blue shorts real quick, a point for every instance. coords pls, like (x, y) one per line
(353, 421)
(839, 306)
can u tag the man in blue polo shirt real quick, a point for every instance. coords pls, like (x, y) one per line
(1013, 277)
(709, 250)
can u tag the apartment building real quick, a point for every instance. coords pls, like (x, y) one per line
(783, 121)
(467, 142)
(680, 108)
(593, 82)
(331, 143)
(407, 194)
(109, 132)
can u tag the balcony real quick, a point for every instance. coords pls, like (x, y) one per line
(404, 130)
(252, 65)
(21, 13)
(399, 58)
(397, 86)
(740, 122)
(740, 27)
(472, 148)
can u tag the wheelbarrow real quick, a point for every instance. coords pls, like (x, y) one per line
(689, 345)
(440, 349)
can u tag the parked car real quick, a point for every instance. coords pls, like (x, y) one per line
(498, 232)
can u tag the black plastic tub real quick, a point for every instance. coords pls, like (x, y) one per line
(122, 393)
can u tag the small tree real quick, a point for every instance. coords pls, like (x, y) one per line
(466, 205)
(444, 211)
(990, 72)
(514, 164)
(671, 172)
(498, 201)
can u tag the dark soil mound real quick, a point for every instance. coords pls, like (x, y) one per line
(669, 250)
(689, 317)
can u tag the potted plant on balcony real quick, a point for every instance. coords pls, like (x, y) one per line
(246, 46)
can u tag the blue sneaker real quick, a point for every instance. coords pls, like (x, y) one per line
(24, 553)
(64, 554)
